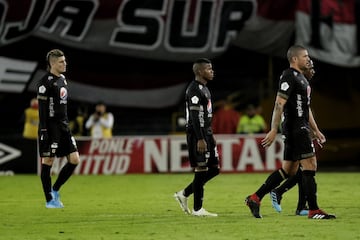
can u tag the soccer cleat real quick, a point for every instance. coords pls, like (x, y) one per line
(253, 203)
(320, 214)
(275, 200)
(54, 204)
(302, 212)
(203, 213)
(182, 200)
(56, 197)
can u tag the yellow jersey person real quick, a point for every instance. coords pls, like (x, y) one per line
(100, 123)
(31, 124)
(251, 122)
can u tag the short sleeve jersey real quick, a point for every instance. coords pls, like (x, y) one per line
(52, 95)
(294, 87)
(198, 108)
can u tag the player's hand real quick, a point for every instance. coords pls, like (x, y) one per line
(320, 138)
(201, 146)
(269, 138)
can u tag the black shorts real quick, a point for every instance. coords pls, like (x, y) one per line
(298, 145)
(209, 158)
(60, 143)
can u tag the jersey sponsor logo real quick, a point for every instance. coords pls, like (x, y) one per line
(195, 100)
(284, 86)
(209, 106)
(42, 89)
(299, 104)
(63, 93)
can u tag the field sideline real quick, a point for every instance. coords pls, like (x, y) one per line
(142, 207)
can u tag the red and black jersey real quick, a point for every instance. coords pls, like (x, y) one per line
(198, 109)
(52, 94)
(294, 87)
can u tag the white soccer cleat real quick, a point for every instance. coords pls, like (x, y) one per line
(203, 213)
(182, 200)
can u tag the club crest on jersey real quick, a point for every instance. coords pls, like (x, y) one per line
(209, 107)
(284, 86)
(195, 100)
(63, 95)
(42, 89)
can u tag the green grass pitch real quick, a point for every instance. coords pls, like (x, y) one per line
(143, 207)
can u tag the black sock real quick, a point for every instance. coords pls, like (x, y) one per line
(289, 183)
(64, 175)
(271, 182)
(309, 184)
(188, 190)
(302, 198)
(198, 188)
(210, 174)
(46, 181)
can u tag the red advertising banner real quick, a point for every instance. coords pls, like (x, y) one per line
(168, 154)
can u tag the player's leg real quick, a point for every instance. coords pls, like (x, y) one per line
(182, 196)
(45, 175)
(213, 161)
(301, 208)
(276, 194)
(67, 170)
(68, 148)
(274, 179)
(47, 149)
(309, 166)
(213, 170)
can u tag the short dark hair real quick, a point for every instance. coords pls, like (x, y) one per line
(293, 51)
(54, 53)
(199, 62)
(202, 60)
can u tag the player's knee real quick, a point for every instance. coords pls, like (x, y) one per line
(74, 158)
(309, 164)
(215, 170)
(47, 161)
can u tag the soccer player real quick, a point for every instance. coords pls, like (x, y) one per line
(55, 138)
(293, 105)
(276, 194)
(201, 143)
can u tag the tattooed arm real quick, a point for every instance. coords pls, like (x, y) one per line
(275, 121)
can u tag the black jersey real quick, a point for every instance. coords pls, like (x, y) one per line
(294, 87)
(52, 95)
(198, 109)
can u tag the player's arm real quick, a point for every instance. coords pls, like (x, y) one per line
(43, 106)
(317, 134)
(197, 119)
(107, 121)
(42, 96)
(280, 102)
